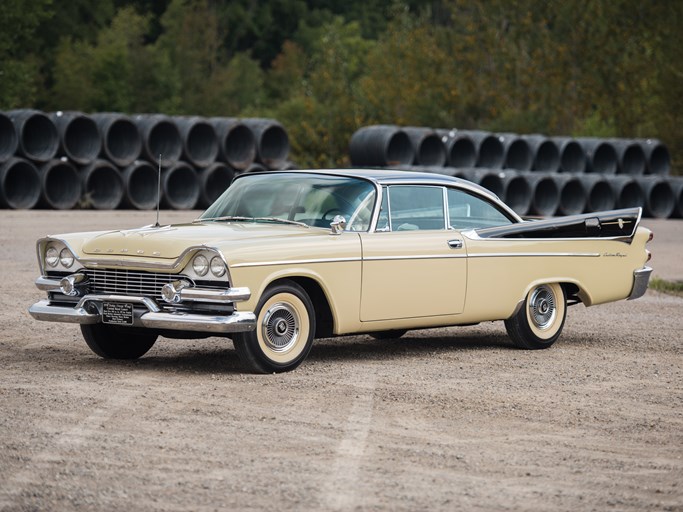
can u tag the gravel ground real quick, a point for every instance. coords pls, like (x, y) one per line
(443, 419)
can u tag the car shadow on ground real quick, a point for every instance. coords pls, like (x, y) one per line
(217, 356)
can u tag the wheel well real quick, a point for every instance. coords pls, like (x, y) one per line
(572, 291)
(324, 322)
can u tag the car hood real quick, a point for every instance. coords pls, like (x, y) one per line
(169, 242)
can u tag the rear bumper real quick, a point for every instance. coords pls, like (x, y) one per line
(147, 315)
(641, 278)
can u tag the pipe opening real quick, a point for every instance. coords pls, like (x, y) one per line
(39, 138)
(8, 138)
(546, 197)
(239, 147)
(491, 153)
(633, 161)
(463, 153)
(141, 186)
(660, 201)
(19, 185)
(201, 144)
(601, 197)
(604, 160)
(631, 195)
(61, 185)
(399, 149)
(660, 160)
(518, 195)
(573, 198)
(103, 186)
(164, 140)
(573, 158)
(494, 183)
(122, 142)
(82, 141)
(273, 146)
(547, 157)
(181, 187)
(518, 156)
(431, 151)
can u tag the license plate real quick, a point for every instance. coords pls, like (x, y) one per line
(120, 313)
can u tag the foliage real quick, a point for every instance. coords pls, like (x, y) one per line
(325, 68)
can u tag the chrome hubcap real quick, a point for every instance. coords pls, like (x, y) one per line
(542, 307)
(280, 327)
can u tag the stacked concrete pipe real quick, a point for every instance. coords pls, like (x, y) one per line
(236, 142)
(60, 185)
(179, 187)
(272, 142)
(141, 186)
(460, 149)
(20, 184)
(121, 141)
(660, 201)
(677, 187)
(199, 139)
(38, 139)
(428, 147)
(103, 185)
(381, 145)
(79, 137)
(573, 194)
(8, 138)
(213, 181)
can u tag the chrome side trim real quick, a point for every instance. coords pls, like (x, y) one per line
(534, 254)
(641, 278)
(295, 262)
(416, 257)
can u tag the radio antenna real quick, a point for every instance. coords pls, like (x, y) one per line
(158, 193)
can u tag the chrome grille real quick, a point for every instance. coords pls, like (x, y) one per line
(128, 282)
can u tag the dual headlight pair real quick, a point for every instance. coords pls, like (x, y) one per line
(54, 257)
(201, 266)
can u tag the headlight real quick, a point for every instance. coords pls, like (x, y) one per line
(51, 256)
(66, 258)
(200, 265)
(217, 266)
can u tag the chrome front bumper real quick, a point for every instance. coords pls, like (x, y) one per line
(641, 278)
(148, 313)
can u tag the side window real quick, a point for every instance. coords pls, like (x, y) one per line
(413, 207)
(466, 211)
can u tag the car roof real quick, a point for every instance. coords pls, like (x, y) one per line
(398, 176)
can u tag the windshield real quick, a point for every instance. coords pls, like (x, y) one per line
(313, 200)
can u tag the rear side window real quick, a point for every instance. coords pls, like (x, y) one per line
(467, 211)
(413, 207)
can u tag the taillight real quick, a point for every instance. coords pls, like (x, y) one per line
(649, 239)
(649, 255)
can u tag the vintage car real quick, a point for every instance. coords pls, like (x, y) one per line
(282, 258)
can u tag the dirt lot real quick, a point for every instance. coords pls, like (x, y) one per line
(447, 419)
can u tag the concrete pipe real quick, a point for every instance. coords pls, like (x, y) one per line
(487, 178)
(200, 142)
(545, 153)
(60, 185)
(103, 186)
(657, 157)
(272, 142)
(660, 201)
(573, 194)
(434, 169)
(140, 186)
(19, 184)
(545, 194)
(601, 197)
(79, 137)
(627, 191)
(601, 157)
(427, 146)
(8, 138)
(236, 142)
(677, 187)
(518, 154)
(38, 136)
(121, 140)
(630, 156)
(460, 149)
(160, 137)
(518, 193)
(572, 155)
(381, 146)
(489, 147)
(213, 181)
(180, 187)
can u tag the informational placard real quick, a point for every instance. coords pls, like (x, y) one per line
(120, 313)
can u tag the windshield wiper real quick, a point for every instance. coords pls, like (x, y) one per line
(253, 219)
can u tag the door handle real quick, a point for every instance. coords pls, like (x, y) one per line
(455, 243)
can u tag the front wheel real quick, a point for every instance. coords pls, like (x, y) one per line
(539, 321)
(285, 327)
(112, 342)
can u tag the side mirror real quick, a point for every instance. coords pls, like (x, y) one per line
(338, 224)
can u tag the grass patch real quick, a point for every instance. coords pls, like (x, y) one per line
(664, 286)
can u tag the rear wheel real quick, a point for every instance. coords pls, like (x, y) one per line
(539, 321)
(112, 342)
(285, 326)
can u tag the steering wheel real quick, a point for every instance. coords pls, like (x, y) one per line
(331, 213)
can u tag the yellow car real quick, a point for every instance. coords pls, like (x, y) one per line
(282, 258)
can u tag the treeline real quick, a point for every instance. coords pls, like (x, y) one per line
(325, 68)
